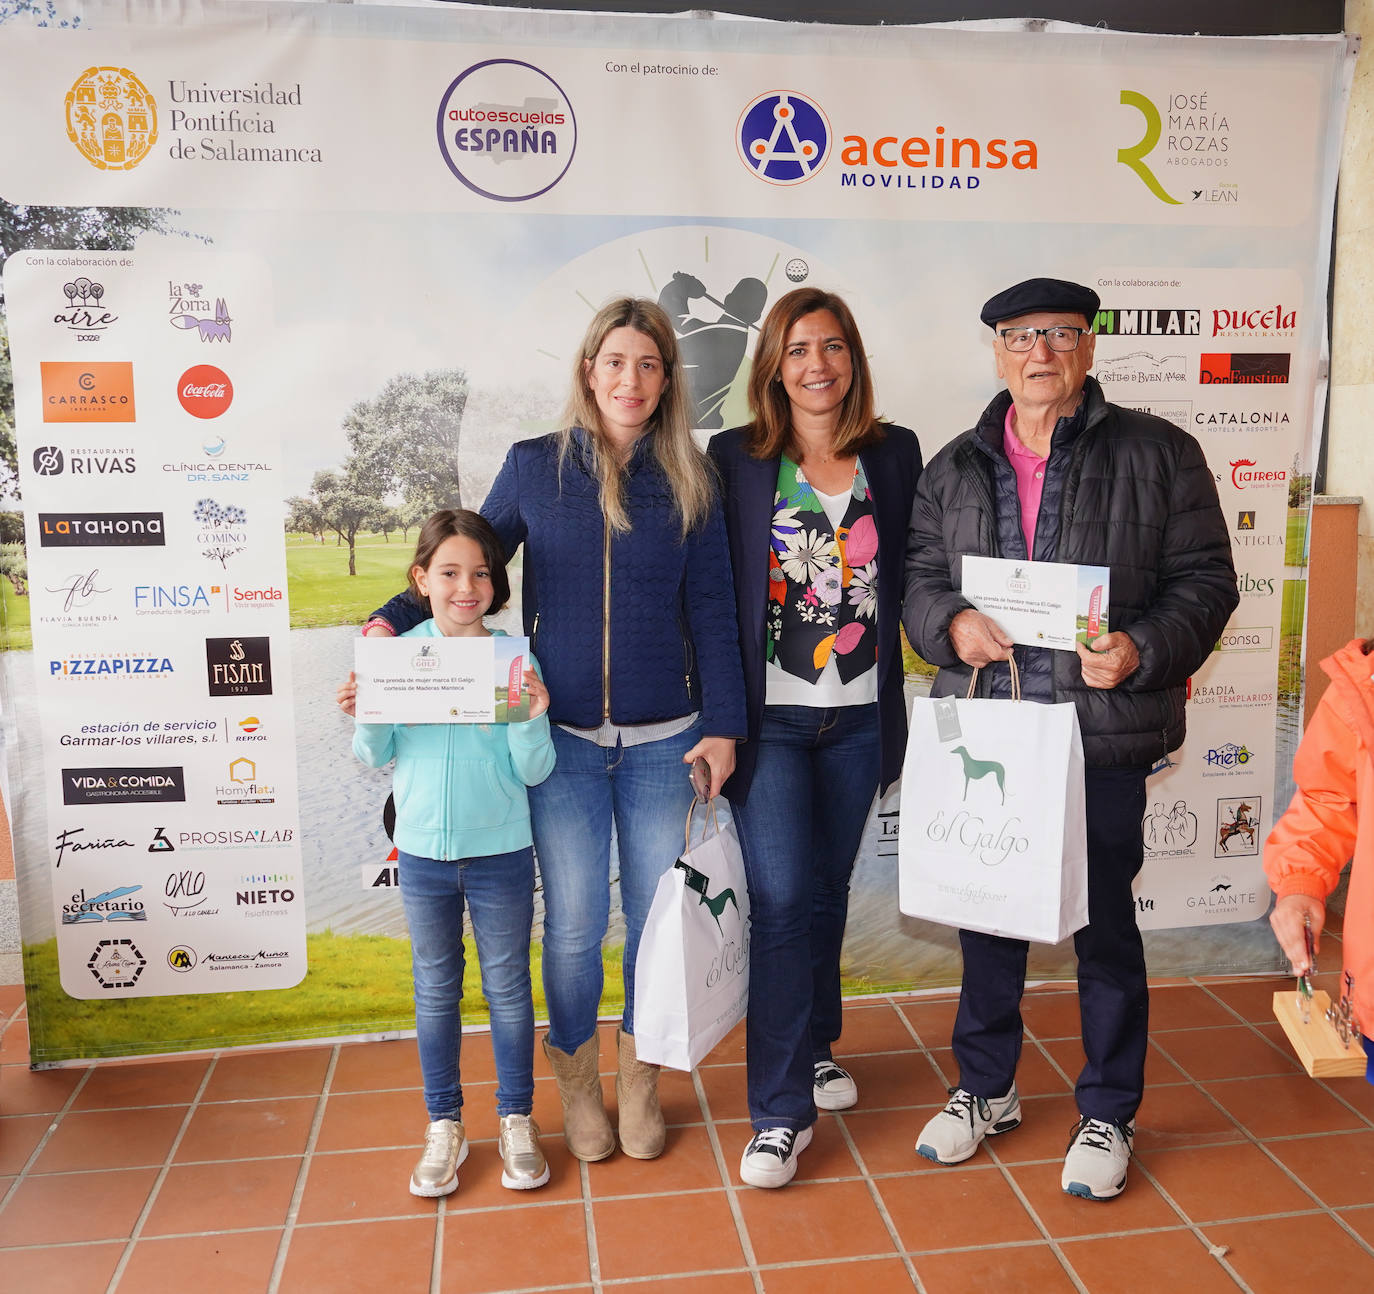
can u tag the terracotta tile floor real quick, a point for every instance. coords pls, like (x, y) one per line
(287, 1170)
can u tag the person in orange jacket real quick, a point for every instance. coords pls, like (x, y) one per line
(1323, 828)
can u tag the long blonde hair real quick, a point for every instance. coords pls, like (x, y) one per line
(690, 474)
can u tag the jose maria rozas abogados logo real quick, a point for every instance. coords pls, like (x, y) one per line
(506, 130)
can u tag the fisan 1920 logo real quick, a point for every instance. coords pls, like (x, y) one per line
(111, 118)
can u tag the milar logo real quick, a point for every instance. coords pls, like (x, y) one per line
(192, 313)
(1246, 474)
(205, 391)
(111, 118)
(100, 529)
(1250, 369)
(85, 314)
(238, 666)
(93, 391)
(783, 137)
(1271, 321)
(123, 785)
(1116, 322)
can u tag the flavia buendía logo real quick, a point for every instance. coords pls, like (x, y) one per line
(783, 137)
(111, 118)
(506, 130)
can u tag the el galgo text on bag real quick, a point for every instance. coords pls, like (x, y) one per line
(991, 846)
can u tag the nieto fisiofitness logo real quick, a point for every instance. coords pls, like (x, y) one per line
(111, 118)
(507, 130)
(783, 137)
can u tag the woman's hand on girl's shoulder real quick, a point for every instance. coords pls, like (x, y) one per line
(539, 694)
(346, 694)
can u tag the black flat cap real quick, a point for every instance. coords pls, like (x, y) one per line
(1035, 295)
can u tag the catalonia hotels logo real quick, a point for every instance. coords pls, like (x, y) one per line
(87, 392)
(111, 118)
(783, 137)
(1250, 368)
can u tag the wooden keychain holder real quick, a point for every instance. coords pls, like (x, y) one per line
(1317, 1043)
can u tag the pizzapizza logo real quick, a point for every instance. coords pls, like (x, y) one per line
(1247, 475)
(87, 392)
(205, 391)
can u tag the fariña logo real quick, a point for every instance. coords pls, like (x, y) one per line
(783, 137)
(506, 130)
(111, 118)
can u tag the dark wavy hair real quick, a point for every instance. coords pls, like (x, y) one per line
(459, 522)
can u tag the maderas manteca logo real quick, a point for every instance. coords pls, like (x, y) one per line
(111, 118)
(507, 130)
(783, 137)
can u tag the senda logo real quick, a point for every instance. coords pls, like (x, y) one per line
(783, 137)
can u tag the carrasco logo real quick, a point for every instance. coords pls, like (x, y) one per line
(205, 391)
(783, 137)
(1249, 369)
(506, 130)
(111, 118)
(96, 391)
(100, 529)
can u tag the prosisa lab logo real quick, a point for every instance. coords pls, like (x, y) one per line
(111, 118)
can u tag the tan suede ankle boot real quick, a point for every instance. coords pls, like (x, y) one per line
(586, 1128)
(636, 1093)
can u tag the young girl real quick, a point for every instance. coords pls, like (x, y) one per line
(463, 836)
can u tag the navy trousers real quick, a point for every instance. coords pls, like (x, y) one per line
(1113, 996)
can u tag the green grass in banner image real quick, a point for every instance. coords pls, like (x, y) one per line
(15, 634)
(356, 984)
(320, 588)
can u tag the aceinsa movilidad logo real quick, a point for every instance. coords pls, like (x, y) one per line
(111, 118)
(783, 137)
(507, 130)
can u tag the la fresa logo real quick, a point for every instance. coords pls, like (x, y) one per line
(783, 137)
(111, 118)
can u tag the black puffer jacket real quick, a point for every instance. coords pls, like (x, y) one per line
(1136, 495)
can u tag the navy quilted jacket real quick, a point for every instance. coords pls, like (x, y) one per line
(1135, 495)
(669, 645)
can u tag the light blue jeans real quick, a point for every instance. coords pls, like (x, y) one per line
(499, 890)
(644, 792)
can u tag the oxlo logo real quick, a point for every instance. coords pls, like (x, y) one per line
(783, 137)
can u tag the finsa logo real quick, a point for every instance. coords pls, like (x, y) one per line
(783, 137)
(111, 118)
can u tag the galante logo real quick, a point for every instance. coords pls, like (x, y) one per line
(111, 118)
(87, 392)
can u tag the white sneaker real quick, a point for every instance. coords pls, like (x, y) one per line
(446, 1146)
(770, 1158)
(832, 1087)
(1095, 1165)
(953, 1134)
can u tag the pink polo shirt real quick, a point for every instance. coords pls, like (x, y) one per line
(1030, 478)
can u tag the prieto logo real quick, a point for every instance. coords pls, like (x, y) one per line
(783, 137)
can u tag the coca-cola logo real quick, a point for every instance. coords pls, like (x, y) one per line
(1246, 474)
(205, 391)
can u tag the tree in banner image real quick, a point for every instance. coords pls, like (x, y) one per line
(407, 439)
(348, 502)
(305, 518)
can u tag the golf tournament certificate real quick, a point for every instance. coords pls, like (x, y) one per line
(442, 680)
(1040, 604)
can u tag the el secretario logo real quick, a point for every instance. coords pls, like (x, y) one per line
(111, 118)
(93, 391)
(506, 130)
(205, 391)
(785, 137)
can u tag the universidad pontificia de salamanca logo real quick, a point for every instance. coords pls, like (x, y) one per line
(111, 118)
(783, 137)
(506, 130)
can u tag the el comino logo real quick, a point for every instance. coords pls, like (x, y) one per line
(783, 137)
(111, 118)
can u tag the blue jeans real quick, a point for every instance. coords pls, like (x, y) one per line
(643, 790)
(800, 829)
(499, 890)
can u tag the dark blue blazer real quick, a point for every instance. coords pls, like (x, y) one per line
(893, 466)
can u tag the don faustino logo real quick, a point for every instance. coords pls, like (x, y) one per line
(243, 787)
(90, 391)
(1248, 369)
(223, 530)
(49, 460)
(192, 312)
(111, 118)
(85, 313)
(1237, 826)
(116, 963)
(1142, 322)
(123, 785)
(80, 595)
(108, 665)
(100, 530)
(506, 129)
(105, 905)
(1192, 133)
(239, 666)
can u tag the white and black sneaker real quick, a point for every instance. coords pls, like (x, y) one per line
(1095, 1165)
(833, 1087)
(955, 1133)
(770, 1158)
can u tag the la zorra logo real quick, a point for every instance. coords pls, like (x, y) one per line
(111, 118)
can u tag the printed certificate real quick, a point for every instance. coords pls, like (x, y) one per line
(1040, 604)
(442, 680)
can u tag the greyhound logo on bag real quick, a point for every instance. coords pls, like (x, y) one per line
(986, 841)
(974, 769)
(733, 958)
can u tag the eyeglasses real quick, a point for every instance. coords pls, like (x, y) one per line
(1058, 338)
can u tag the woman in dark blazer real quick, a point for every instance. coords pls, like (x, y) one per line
(817, 495)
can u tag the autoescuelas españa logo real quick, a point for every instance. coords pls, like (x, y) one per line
(783, 137)
(111, 118)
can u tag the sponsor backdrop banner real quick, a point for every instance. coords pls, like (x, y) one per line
(337, 258)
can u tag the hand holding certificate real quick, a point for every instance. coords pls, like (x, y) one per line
(442, 680)
(1040, 604)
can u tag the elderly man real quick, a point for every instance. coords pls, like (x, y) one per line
(1055, 473)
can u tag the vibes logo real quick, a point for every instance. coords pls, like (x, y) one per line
(111, 118)
(506, 130)
(783, 137)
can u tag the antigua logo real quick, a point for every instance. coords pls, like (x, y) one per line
(783, 137)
